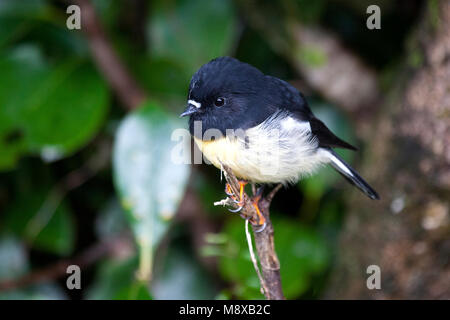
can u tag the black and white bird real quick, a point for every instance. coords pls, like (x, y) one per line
(261, 127)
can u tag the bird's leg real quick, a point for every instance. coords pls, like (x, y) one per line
(259, 191)
(240, 202)
(261, 220)
(254, 189)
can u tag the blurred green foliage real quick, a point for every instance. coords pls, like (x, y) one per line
(57, 111)
(56, 234)
(301, 251)
(50, 110)
(191, 31)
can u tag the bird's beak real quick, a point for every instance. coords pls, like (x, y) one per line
(190, 109)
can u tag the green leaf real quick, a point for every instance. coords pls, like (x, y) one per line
(137, 291)
(40, 22)
(41, 220)
(310, 11)
(20, 71)
(301, 251)
(116, 279)
(20, 8)
(235, 264)
(45, 109)
(16, 18)
(162, 77)
(192, 32)
(149, 182)
(304, 254)
(181, 277)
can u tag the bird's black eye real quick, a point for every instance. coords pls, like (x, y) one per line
(219, 102)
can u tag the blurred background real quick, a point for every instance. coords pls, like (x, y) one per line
(86, 176)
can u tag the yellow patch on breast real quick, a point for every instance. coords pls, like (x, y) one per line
(224, 150)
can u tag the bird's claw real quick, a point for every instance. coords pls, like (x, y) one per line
(228, 191)
(233, 197)
(243, 216)
(261, 228)
(239, 208)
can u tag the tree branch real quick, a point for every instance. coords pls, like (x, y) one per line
(98, 161)
(126, 88)
(264, 240)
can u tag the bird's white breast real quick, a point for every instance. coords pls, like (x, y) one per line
(281, 149)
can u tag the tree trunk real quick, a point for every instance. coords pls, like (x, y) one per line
(406, 233)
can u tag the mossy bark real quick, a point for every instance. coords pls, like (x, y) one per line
(406, 233)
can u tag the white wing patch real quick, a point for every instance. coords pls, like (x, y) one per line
(290, 123)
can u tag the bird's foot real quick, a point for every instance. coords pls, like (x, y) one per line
(260, 221)
(239, 202)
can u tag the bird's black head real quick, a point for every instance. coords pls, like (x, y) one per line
(225, 94)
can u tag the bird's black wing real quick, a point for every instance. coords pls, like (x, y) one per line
(285, 97)
(327, 138)
(289, 98)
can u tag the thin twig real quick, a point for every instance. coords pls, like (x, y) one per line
(59, 269)
(272, 193)
(98, 161)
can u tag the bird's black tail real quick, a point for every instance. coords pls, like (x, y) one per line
(351, 175)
